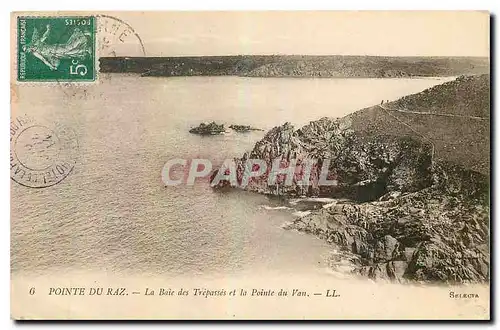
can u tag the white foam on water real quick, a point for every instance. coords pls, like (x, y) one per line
(267, 207)
(313, 199)
(301, 214)
(327, 206)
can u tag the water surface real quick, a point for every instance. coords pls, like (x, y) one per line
(113, 213)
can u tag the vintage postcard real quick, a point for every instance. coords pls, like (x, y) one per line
(308, 165)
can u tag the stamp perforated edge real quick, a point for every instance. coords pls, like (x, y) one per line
(14, 51)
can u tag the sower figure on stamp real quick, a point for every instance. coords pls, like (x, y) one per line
(77, 47)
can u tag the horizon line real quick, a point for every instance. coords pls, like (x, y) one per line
(305, 55)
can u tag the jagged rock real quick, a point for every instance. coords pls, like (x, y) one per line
(386, 249)
(244, 128)
(365, 169)
(378, 272)
(208, 129)
(396, 270)
(408, 252)
(410, 217)
(445, 241)
(363, 249)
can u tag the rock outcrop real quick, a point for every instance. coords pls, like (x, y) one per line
(365, 168)
(410, 214)
(208, 129)
(437, 234)
(244, 128)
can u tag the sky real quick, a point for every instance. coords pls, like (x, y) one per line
(385, 33)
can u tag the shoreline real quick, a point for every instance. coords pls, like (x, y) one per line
(409, 215)
(451, 77)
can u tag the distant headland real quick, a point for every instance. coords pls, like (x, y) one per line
(324, 66)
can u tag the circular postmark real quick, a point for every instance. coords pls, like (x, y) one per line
(40, 155)
(116, 38)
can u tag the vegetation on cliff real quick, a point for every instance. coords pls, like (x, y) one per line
(459, 139)
(464, 96)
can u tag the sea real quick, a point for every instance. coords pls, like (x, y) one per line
(113, 213)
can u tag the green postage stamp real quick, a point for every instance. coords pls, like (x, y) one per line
(56, 48)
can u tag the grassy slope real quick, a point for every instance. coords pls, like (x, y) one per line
(457, 140)
(467, 95)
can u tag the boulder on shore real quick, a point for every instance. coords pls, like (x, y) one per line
(437, 234)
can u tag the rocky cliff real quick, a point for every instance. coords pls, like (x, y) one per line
(413, 213)
(437, 234)
(365, 168)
